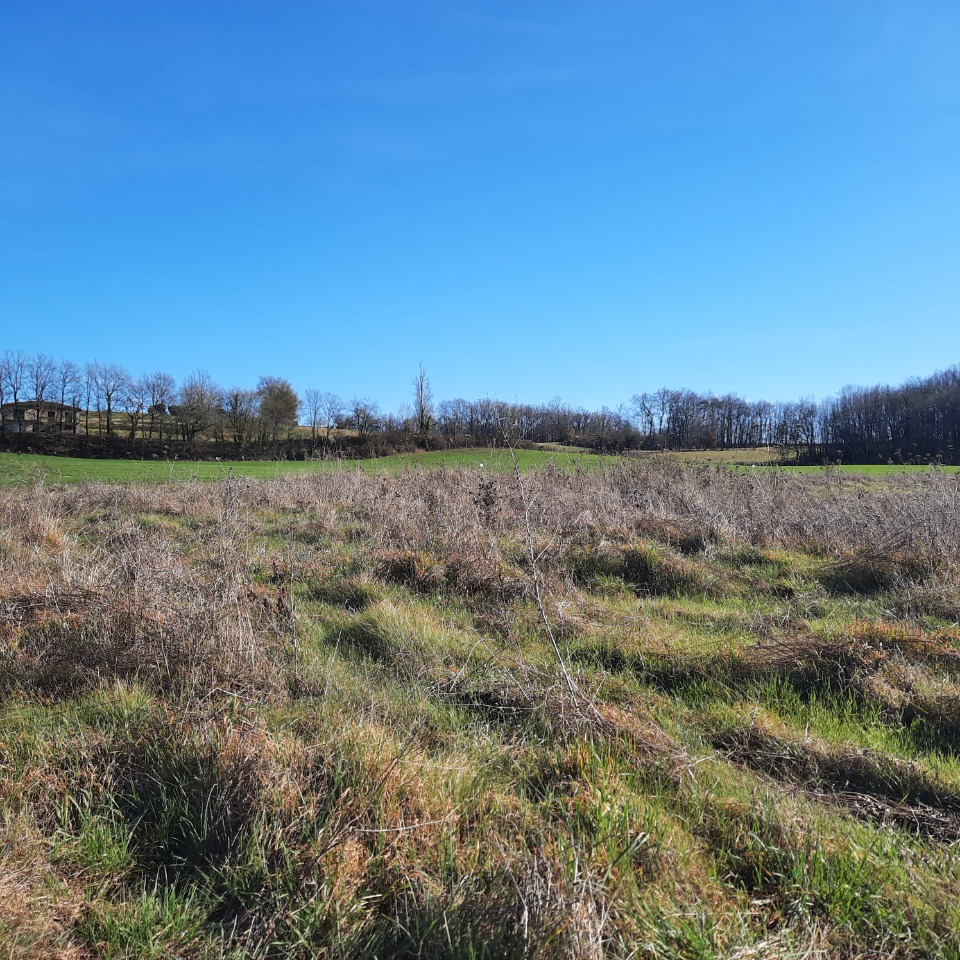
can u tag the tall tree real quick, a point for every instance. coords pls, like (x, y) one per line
(69, 390)
(313, 402)
(243, 409)
(331, 410)
(41, 372)
(136, 399)
(13, 371)
(198, 405)
(364, 417)
(162, 388)
(109, 380)
(94, 396)
(557, 421)
(454, 416)
(423, 403)
(279, 405)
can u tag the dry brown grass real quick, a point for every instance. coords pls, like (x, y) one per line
(351, 678)
(137, 606)
(36, 907)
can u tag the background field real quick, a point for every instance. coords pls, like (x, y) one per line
(31, 468)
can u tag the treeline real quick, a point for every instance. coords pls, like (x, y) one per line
(918, 421)
(39, 394)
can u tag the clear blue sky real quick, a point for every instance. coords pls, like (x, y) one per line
(531, 199)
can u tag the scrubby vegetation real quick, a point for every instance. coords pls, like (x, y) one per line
(646, 710)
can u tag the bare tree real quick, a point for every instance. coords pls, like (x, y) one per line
(90, 397)
(644, 412)
(423, 403)
(365, 417)
(557, 420)
(805, 413)
(94, 396)
(404, 419)
(162, 387)
(136, 399)
(454, 416)
(69, 389)
(13, 371)
(108, 381)
(198, 405)
(331, 410)
(243, 411)
(312, 401)
(41, 371)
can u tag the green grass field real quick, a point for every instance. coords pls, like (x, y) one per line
(30, 468)
(878, 469)
(764, 457)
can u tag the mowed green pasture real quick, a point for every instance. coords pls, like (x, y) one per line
(764, 458)
(878, 469)
(18, 468)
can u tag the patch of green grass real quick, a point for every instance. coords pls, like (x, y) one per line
(149, 923)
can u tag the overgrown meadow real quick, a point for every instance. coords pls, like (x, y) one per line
(648, 710)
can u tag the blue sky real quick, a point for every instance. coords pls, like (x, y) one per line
(531, 199)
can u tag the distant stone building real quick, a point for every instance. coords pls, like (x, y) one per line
(30, 416)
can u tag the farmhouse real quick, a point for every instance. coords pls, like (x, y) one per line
(37, 415)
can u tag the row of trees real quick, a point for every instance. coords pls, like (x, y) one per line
(151, 405)
(917, 420)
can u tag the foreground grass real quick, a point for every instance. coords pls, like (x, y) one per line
(324, 715)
